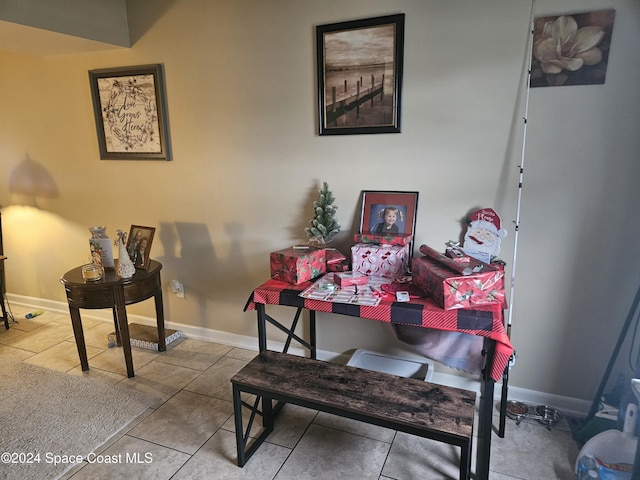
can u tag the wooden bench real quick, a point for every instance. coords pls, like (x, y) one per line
(408, 405)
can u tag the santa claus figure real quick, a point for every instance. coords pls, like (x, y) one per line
(483, 236)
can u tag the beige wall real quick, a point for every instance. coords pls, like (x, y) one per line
(248, 162)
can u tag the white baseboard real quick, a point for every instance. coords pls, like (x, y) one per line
(567, 405)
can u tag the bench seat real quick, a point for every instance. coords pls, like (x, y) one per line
(441, 413)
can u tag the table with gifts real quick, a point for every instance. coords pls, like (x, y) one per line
(485, 321)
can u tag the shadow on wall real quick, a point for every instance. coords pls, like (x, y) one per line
(191, 258)
(29, 181)
(296, 230)
(343, 241)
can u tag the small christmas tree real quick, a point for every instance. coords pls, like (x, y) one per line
(324, 227)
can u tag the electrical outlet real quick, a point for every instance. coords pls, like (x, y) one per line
(177, 288)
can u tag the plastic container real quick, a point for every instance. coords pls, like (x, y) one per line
(613, 446)
(587, 468)
(419, 368)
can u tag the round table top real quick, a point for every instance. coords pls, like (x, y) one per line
(74, 276)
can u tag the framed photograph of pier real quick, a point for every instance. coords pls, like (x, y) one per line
(129, 105)
(360, 75)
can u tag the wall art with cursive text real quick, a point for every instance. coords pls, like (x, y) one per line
(131, 113)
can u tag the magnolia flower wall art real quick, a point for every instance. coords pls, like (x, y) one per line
(571, 49)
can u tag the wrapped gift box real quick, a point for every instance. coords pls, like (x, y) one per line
(341, 266)
(297, 264)
(336, 261)
(457, 255)
(350, 278)
(452, 289)
(377, 238)
(380, 260)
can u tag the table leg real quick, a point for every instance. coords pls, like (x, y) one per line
(503, 402)
(162, 341)
(116, 327)
(76, 322)
(5, 316)
(121, 315)
(262, 327)
(312, 334)
(263, 318)
(485, 421)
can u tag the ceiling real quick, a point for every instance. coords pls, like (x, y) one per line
(35, 41)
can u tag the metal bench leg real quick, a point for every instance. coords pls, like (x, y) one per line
(242, 435)
(237, 414)
(465, 460)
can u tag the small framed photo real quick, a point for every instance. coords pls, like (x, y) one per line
(389, 213)
(359, 68)
(139, 245)
(130, 109)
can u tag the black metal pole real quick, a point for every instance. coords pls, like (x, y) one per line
(616, 350)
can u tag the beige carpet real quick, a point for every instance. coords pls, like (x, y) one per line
(47, 417)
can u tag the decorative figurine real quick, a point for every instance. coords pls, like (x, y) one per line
(484, 235)
(101, 247)
(125, 268)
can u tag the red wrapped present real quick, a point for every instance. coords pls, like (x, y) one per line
(378, 238)
(350, 278)
(297, 264)
(341, 266)
(455, 285)
(457, 255)
(336, 261)
(380, 260)
(334, 256)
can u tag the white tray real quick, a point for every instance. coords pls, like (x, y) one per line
(420, 368)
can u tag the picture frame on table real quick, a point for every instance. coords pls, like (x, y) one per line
(139, 243)
(359, 70)
(130, 110)
(401, 207)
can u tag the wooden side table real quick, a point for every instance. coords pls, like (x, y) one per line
(116, 293)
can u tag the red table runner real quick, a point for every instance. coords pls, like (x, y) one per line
(422, 312)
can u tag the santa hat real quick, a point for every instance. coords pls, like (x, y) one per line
(488, 219)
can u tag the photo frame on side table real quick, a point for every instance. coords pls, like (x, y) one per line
(130, 110)
(139, 243)
(359, 68)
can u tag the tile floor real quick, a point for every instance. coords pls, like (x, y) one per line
(189, 432)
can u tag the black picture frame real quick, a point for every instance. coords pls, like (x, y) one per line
(130, 111)
(359, 70)
(139, 243)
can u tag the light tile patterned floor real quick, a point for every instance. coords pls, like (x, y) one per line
(189, 432)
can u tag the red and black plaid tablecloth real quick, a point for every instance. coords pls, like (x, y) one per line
(422, 312)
